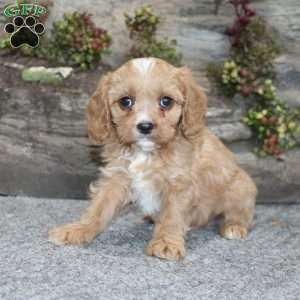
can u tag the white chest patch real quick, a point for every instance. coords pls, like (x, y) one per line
(142, 185)
(143, 65)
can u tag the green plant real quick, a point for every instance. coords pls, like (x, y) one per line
(274, 124)
(5, 43)
(74, 40)
(249, 71)
(256, 48)
(142, 31)
(253, 48)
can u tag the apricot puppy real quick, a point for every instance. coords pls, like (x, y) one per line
(150, 118)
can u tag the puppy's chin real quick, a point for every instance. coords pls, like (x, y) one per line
(154, 141)
(146, 144)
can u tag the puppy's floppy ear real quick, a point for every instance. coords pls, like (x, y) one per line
(98, 113)
(194, 109)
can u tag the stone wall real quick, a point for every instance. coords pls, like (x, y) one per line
(44, 150)
(198, 31)
(192, 23)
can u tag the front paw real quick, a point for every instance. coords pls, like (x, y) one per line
(72, 234)
(233, 231)
(166, 248)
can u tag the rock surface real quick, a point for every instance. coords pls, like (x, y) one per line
(44, 150)
(230, 132)
(277, 180)
(198, 31)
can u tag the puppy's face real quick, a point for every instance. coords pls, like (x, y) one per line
(146, 101)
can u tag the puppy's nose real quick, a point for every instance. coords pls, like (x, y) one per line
(145, 127)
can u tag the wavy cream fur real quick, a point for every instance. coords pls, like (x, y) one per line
(144, 65)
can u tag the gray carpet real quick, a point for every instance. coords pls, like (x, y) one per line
(265, 266)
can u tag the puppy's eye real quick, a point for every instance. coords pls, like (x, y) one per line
(126, 102)
(166, 102)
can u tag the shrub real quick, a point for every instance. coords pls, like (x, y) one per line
(142, 31)
(74, 40)
(254, 46)
(249, 71)
(274, 124)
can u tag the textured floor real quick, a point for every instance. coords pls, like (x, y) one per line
(265, 266)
